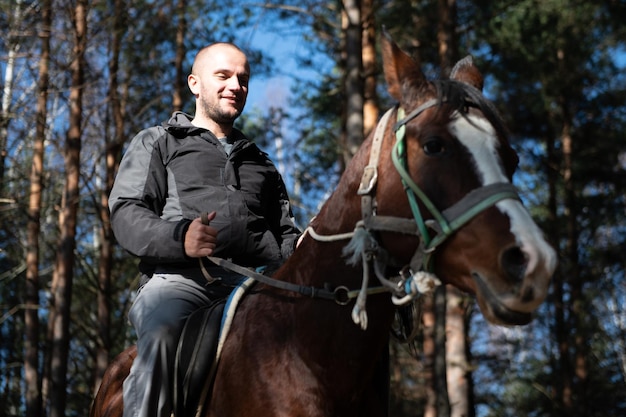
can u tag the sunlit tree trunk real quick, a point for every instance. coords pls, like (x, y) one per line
(370, 104)
(457, 363)
(450, 332)
(440, 363)
(13, 46)
(31, 316)
(62, 280)
(180, 81)
(429, 346)
(113, 150)
(446, 35)
(353, 82)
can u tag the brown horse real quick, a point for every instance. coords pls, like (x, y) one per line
(428, 193)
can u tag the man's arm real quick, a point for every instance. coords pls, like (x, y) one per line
(137, 200)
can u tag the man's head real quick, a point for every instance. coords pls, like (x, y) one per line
(219, 81)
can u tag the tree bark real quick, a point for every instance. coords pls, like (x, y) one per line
(370, 105)
(574, 403)
(440, 368)
(450, 331)
(180, 80)
(428, 320)
(13, 46)
(106, 239)
(31, 316)
(353, 30)
(61, 291)
(446, 36)
(457, 362)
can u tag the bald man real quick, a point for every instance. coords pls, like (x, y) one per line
(168, 177)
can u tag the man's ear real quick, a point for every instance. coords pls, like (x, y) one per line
(194, 84)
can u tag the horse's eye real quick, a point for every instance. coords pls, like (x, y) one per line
(434, 146)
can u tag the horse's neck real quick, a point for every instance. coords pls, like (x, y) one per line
(322, 248)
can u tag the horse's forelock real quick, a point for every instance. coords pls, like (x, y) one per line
(460, 95)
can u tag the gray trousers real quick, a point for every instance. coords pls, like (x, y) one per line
(158, 315)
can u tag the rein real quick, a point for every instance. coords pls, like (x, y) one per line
(341, 295)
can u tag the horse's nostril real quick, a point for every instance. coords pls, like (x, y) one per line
(514, 263)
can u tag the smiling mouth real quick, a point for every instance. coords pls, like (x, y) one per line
(235, 99)
(500, 313)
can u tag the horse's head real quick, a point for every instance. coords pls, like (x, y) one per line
(454, 160)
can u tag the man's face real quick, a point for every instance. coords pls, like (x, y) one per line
(220, 82)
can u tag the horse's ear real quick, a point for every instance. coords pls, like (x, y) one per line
(466, 71)
(399, 68)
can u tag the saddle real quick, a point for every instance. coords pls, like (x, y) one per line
(199, 349)
(195, 355)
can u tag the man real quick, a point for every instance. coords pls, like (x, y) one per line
(168, 177)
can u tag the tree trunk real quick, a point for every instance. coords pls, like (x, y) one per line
(574, 403)
(13, 46)
(446, 35)
(180, 80)
(370, 71)
(61, 291)
(451, 330)
(561, 369)
(440, 368)
(353, 30)
(113, 151)
(31, 315)
(563, 334)
(457, 362)
(428, 320)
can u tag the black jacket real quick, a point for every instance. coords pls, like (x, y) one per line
(169, 175)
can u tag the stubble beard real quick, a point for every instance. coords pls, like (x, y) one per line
(219, 115)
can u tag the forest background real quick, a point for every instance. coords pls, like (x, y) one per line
(81, 77)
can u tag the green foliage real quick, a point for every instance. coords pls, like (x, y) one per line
(552, 63)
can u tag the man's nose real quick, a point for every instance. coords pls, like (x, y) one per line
(234, 84)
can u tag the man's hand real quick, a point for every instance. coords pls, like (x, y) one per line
(200, 239)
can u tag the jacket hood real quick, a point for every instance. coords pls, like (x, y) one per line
(180, 125)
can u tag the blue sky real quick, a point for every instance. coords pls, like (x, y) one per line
(283, 45)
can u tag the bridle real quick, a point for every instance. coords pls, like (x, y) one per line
(418, 277)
